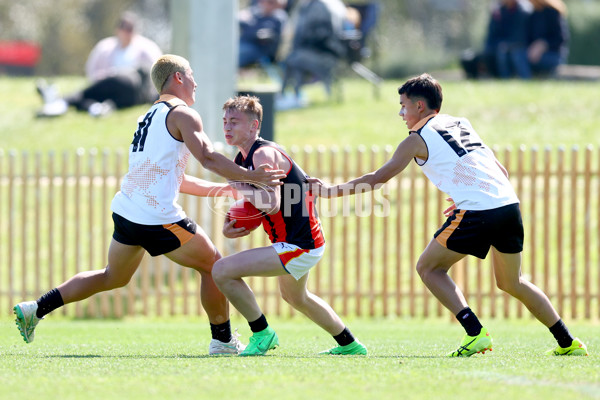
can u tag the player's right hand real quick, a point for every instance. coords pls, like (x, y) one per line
(448, 211)
(317, 187)
(229, 231)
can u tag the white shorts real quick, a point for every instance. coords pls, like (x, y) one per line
(296, 260)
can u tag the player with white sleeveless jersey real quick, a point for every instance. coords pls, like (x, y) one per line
(469, 173)
(485, 214)
(157, 161)
(146, 214)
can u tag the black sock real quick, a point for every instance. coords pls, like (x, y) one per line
(561, 334)
(221, 332)
(259, 325)
(344, 338)
(49, 302)
(469, 321)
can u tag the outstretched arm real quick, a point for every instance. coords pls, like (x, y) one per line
(189, 124)
(411, 147)
(200, 187)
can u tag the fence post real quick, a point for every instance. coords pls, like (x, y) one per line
(559, 226)
(345, 233)
(333, 256)
(412, 243)
(372, 248)
(386, 245)
(547, 223)
(533, 211)
(38, 220)
(587, 231)
(574, 218)
(11, 226)
(64, 217)
(23, 222)
(358, 197)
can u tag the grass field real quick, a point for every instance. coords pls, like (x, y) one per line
(167, 359)
(536, 113)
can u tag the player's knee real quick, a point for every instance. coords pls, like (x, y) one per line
(293, 298)
(219, 271)
(223, 271)
(508, 286)
(116, 281)
(423, 269)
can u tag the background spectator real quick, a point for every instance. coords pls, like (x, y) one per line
(260, 31)
(504, 53)
(316, 47)
(118, 68)
(548, 36)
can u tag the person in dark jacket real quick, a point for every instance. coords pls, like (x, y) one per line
(261, 26)
(504, 54)
(317, 45)
(548, 36)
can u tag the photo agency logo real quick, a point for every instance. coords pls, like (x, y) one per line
(360, 200)
(219, 202)
(365, 202)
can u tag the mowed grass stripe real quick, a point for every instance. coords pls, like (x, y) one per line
(144, 358)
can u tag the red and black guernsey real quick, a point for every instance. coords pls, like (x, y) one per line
(297, 221)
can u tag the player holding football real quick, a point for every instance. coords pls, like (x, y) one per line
(146, 214)
(294, 229)
(485, 213)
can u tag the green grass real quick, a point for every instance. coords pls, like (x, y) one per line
(147, 359)
(503, 112)
(167, 359)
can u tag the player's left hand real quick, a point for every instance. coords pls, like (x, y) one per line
(448, 211)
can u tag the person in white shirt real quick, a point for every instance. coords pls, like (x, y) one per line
(118, 70)
(146, 214)
(485, 213)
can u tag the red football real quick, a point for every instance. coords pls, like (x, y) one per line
(246, 215)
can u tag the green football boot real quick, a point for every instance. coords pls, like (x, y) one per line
(577, 348)
(354, 348)
(261, 342)
(26, 319)
(474, 344)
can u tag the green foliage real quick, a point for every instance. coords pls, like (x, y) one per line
(167, 359)
(584, 23)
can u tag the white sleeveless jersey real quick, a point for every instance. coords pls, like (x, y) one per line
(157, 162)
(460, 165)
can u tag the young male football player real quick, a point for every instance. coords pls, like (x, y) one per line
(485, 214)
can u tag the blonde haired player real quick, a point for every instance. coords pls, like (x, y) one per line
(146, 214)
(485, 213)
(293, 226)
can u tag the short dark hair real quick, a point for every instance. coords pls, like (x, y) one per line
(127, 21)
(426, 87)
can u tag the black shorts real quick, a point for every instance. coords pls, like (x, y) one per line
(155, 239)
(473, 232)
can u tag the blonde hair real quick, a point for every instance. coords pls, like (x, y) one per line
(249, 105)
(166, 66)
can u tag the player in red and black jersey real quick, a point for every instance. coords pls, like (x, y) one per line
(296, 221)
(291, 220)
